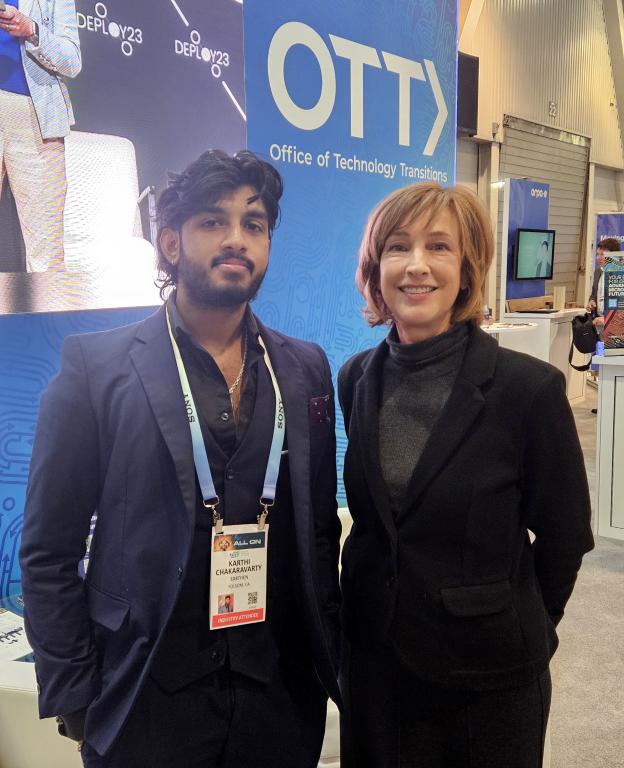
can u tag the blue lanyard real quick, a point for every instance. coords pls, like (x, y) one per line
(202, 465)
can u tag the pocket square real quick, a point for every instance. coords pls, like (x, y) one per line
(317, 409)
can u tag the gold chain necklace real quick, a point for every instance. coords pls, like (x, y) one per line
(237, 380)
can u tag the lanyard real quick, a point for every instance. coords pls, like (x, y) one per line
(202, 465)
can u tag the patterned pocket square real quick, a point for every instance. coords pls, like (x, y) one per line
(317, 409)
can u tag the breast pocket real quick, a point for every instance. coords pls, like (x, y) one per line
(320, 410)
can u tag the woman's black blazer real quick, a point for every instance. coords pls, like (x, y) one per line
(452, 583)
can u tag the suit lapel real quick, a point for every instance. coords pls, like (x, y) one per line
(458, 415)
(365, 424)
(154, 362)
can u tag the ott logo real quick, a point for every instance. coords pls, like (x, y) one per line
(359, 56)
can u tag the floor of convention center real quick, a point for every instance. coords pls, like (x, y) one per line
(588, 668)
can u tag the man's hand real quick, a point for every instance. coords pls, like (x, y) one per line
(598, 322)
(16, 23)
(72, 726)
(591, 304)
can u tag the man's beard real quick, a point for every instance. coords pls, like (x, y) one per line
(202, 292)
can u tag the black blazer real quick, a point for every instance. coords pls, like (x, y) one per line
(113, 435)
(454, 584)
(594, 290)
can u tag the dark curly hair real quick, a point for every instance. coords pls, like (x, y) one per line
(610, 244)
(211, 177)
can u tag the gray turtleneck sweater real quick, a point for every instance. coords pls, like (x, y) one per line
(417, 380)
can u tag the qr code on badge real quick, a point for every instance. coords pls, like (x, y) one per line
(252, 598)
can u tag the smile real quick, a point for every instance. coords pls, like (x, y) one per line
(417, 289)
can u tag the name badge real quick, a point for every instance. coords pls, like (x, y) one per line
(238, 576)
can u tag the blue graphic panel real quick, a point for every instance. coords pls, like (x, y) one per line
(30, 347)
(528, 209)
(350, 100)
(609, 225)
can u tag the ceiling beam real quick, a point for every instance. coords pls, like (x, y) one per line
(469, 15)
(614, 23)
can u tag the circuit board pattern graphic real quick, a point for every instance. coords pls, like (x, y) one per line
(30, 347)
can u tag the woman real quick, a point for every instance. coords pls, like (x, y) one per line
(457, 450)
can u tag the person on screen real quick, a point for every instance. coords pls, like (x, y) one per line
(39, 49)
(458, 449)
(127, 659)
(543, 260)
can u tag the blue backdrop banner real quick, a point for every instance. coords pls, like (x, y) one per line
(350, 100)
(30, 347)
(528, 209)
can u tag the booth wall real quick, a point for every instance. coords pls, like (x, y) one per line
(467, 171)
(533, 53)
(605, 191)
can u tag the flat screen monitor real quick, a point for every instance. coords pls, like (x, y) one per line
(534, 254)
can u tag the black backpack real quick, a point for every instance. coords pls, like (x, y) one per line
(584, 338)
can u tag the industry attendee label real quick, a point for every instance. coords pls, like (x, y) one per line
(238, 576)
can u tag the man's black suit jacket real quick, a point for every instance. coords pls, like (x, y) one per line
(113, 437)
(595, 282)
(454, 585)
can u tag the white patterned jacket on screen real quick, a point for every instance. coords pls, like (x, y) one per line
(46, 65)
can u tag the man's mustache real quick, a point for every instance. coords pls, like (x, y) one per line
(233, 257)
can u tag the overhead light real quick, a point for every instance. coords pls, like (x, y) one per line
(497, 184)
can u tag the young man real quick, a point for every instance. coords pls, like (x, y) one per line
(172, 432)
(607, 249)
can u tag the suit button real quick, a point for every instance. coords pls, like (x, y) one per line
(180, 572)
(215, 655)
(390, 581)
(229, 475)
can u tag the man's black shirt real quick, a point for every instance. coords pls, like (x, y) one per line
(208, 385)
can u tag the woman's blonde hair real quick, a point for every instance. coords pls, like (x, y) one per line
(402, 208)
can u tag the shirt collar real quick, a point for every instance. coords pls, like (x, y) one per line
(178, 325)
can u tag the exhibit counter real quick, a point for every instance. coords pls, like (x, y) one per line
(609, 511)
(549, 341)
(27, 742)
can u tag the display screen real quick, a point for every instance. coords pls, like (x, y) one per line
(534, 254)
(148, 85)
